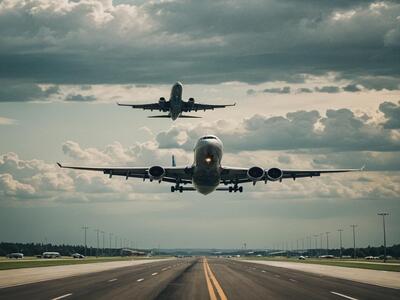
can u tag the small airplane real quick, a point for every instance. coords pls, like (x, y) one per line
(206, 174)
(175, 106)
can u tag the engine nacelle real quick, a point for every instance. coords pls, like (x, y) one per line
(255, 173)
(156, 173)
(162, 99)
(274, 174)
(191, 100)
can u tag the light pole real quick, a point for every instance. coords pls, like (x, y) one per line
(316, 247)
(102, 252)
(383, 214)
(327, 242)
(354, 239)
(97, 249)
(110, 243)
(340, 241)
(320, 242)
(85, 228)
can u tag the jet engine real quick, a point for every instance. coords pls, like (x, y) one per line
(191, 100)
(162, 103)
(255, 173)
(156, 173)
(274, 174)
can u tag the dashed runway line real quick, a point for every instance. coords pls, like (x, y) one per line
(344, 296)
(62, 297)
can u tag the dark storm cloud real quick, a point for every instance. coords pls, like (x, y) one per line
(351, 88)
(11, 91)
(327, 89)
(338, 130)
(80, 98)
(304, 90)
(283, 90)
(392, 114)
(96, 41)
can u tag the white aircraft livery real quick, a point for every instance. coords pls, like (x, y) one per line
(207, 174)
(175, 106)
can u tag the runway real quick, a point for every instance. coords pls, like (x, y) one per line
(199, 278)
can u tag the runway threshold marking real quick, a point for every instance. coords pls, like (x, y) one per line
(111, 280)
(62, 297)
(210, 275)
(140, 279)
(154, 274)
(344, 296)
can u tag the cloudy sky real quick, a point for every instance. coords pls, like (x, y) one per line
(317, 85)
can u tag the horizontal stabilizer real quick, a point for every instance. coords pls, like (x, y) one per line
(186, 116)
(160, 116)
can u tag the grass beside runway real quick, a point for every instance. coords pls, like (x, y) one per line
(361, 264)
(7, 264)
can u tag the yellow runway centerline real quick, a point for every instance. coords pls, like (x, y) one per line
(212, 280)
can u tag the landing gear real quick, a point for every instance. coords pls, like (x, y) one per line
(176, 189)
(235, 189)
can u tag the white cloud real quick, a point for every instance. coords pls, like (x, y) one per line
(7, 121)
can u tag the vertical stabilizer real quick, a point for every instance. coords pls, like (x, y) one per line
(173, 161)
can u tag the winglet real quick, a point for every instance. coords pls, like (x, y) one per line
(173, 161)
(60, 165)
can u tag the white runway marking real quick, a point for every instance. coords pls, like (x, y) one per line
(263, 271)
(164, 269)
(154, 274)
(344, 296)
(292, 280)
(63, 296)
(111, 280)
(139, 280)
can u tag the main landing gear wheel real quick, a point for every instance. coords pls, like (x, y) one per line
(176, 189)
(235, 189)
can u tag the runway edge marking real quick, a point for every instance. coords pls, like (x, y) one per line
(62, 297)
(344, 296)
(218, 287)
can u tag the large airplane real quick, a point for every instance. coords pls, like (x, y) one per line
(175, 106)
(207, 174)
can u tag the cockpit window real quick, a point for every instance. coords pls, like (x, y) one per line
(209, 137)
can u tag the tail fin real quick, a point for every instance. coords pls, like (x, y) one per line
(173, 161)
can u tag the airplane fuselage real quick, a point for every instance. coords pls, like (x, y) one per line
(175, 101)
(207, 164)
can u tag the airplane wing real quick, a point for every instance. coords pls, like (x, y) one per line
(172, 174)
(240, 175)
(149, 106)
(192, 106)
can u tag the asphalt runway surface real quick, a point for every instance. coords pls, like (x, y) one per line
(199, 278)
